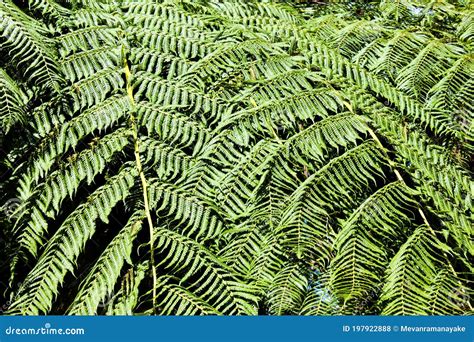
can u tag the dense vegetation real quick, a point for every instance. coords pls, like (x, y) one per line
(236, 157)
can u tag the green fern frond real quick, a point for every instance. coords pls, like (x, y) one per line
(102, 277)
(448, 294)
(238, 188)
(85, 64)
(253, 254)
(126, 299)
(51, 9)
(171, 12)
(279, 162)
(95, 89)
(45, 201)
(12, 102)
(41, 286)
(361, 256)
(305, 225)
(318, 303)
(287, 292)
(172, 127)
(465, 30)
(85, 17)
(333, 63)
(417, 78)
(28, 48)
(204, 274)
(231, 56)
(167, 161)
(310, 146)
(356, 35)
(399, 51)
(166, 93)
(164, 65)
(412, 272)
(449, 94)
(241, 9)
(192, 216)
(97, 118)
(88, 38)
(286, 111)
(186, 48)
(178, 300)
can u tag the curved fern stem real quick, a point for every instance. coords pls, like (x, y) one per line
(391, 162)
(420, 210)
(141, 173)
(393, 166)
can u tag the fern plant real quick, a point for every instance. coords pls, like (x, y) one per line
(234, 158)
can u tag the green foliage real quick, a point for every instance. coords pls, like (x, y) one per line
(236, 157)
